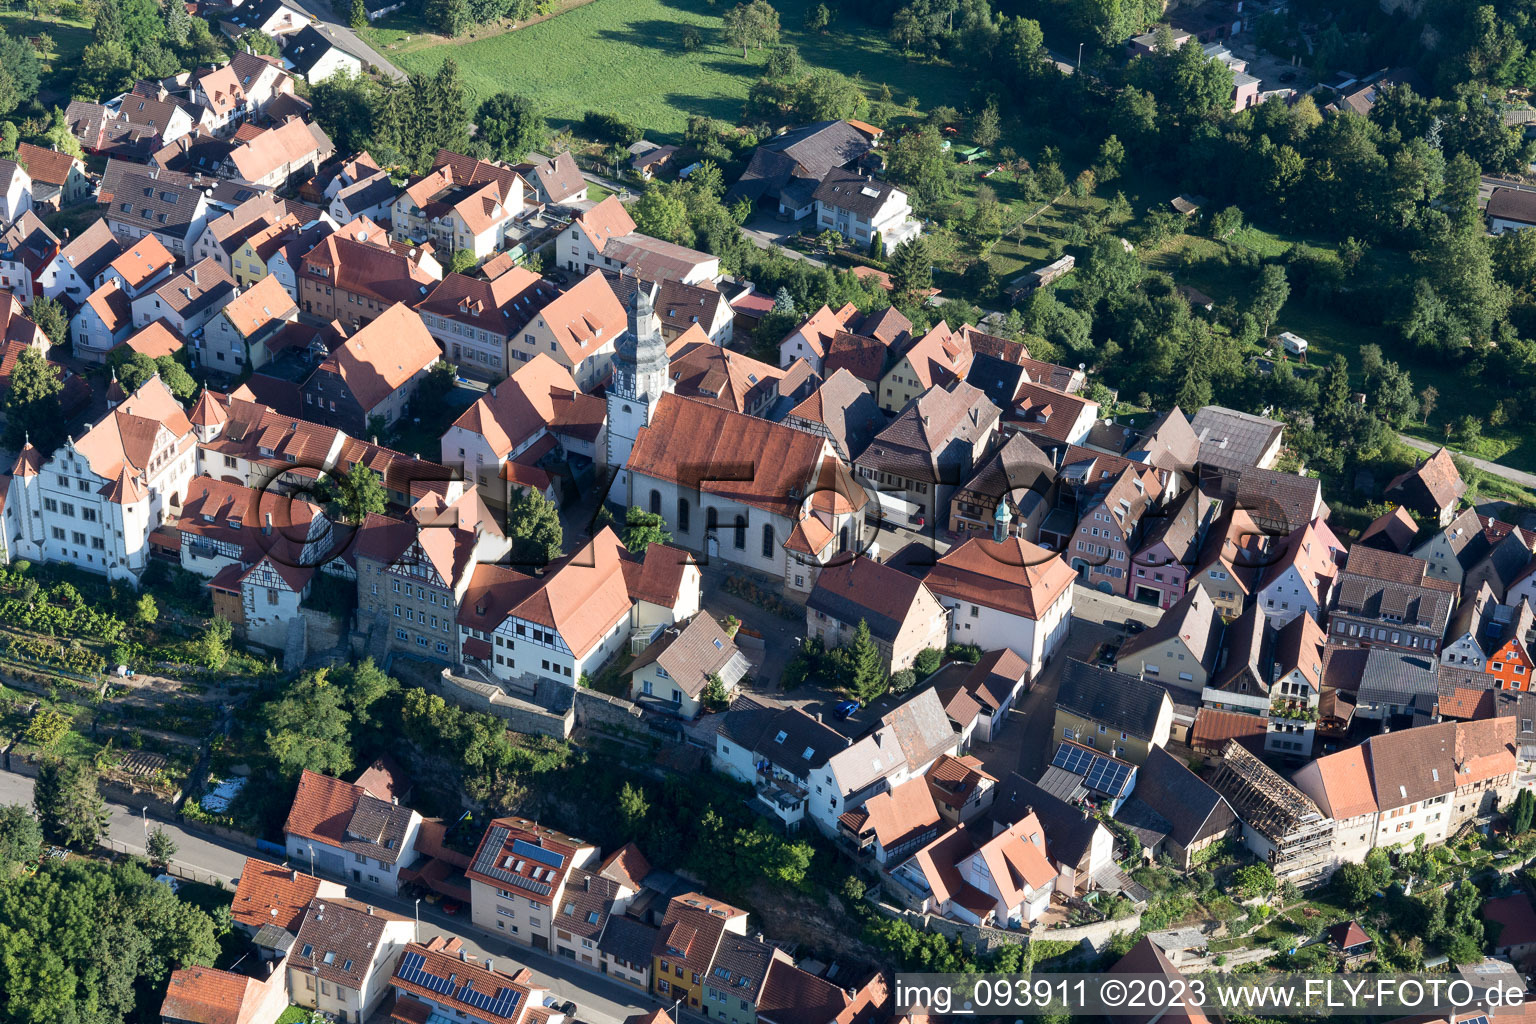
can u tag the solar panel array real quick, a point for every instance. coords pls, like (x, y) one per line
(503, 1004)
(488, 862)
(524, 848)
(1099, 773)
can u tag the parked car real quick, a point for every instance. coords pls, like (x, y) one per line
(450, 907)
(568, 1008)
(1134, 626)
(846, 709)
(1288, 76)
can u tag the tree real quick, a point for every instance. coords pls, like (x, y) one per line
(260, 44)
(9, 137)
(146, 611)
(715, 697)
(1353, 885)
(633, 808)
(642, 529)
(178, 23)
(1392, 395)
(512, 125)
(50, 317)
(818, 18)
(452, 17)
(927, 662)
(1428, 398)
(69, 807)
(348, 106)
(212, 645)
(829, 240)
(919, 162)
(350, 498)
(1255, 880)
(987, 129)
(47, 727)
(310, 727)
(693, 39)
(32, 405)
(1521, 812)
(1226, 222)
(877, 246)
(866, 673)
(662, 212)
(533, 523)
(751, 26)
(1269, 294)
(357, 15)
(21, 837)
(911, 272)
(161, 847)
(175, 377)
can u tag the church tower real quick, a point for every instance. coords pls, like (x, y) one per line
(640, 378)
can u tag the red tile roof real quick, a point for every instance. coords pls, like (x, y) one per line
(203, 995)
(271, 894)
(1014, 576)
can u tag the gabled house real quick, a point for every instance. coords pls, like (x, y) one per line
(1108, 534)
(604, 238)
(1173, 812)
(906, 743)
(686, 944)
(1509, 657)
(187, 301)
(269, 17)
(1296, 688)
(73, 271)
(1507, 561)
(241, 333)
(15, 191)
(680, 307)
(1017, 474)
(518, 879)
(373, 376)
(478, 323)
(1181, 650)
(891, 826)
(930, 449)
(1432, 488)
(462, 204)
(1231, 561)
(739, 975)
(350, 832)
(676, 667)
(1079, 846)
(798, 160)
(1120, 714)
(275, 156)
(961, 788)
(941, 358)
(1303, 568)
(1050, 417)
(705, 372)
(777, 751)
(1012, 594)
(1006, 881)
(1281, 824)
(1280, 503)
(1461, 544)
(343, 957)
(579, 329)
(561, 625)
(268, 895)
(903, 616)
(1232, 442)
(556, 180)
(58, 179)
(1384, 599)
(1169, 549)
(841, 410)
(155, 203)
(1465, 637)
(1391, 531)
(27, 249)
(813, 338)
(991, 686)
(314, 57)
(860, 209)
(437, 979)
(354, 275)
(103, 321)
(370, 196)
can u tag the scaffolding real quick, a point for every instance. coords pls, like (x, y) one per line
(1298, 836)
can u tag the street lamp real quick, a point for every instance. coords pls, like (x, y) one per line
(311, 858)
(1079, 56)
(145, 811)
(418, 919)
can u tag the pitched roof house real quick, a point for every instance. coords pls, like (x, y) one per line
(902, 614)
(842, 410)
(344, 955)
(1181, 649)
(1126, 715)
(519, 876)
(334, 823)
(671, 674)
(374, 373)
(931, 447)
(1172, 810)
(1386, 599)
(1432, 488)
(1011, 594)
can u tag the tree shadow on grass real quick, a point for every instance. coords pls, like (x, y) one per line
(651, 34)
(721, 108)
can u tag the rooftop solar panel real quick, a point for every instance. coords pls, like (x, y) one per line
(526, 849)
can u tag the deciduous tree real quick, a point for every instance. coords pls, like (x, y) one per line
(751, 26)
(533, 523)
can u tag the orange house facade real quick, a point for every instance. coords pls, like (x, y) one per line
(1511, 666)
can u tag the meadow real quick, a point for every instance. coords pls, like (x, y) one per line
(626, 57)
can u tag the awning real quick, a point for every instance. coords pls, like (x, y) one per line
(477, 648)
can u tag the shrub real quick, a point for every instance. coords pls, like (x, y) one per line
(927, 662)
(902, 681)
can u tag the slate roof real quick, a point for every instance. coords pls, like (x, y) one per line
(306, 48)
(339, 940)
(1269, 494)
(1193, 620)
(1113, 699)
(1193, 810)
(862, 588)
(1170, 442)
(1068, 830)
(860, 194)
(759, 729)
(846, 409)
(628, 940)
(1391, 531)
(1376, 583)
(741, 966)
(152, 205)
(810, 152)
(1513, 204)
(1233, 439)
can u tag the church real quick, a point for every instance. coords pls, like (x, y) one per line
(731, 487)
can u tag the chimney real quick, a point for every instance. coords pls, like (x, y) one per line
(370, 910)
(464, 956)
(293, 875)
(490, 964)
(192, 273)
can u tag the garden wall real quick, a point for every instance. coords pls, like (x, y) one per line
(520, 715)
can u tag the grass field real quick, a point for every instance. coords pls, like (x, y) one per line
(625, 57)
(70, 39)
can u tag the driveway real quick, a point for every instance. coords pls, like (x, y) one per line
(766, 231)
(1492, 468)
(334, 28)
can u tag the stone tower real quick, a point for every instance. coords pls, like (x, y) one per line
(640, 378)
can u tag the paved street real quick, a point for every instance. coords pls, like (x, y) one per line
(600, 1000)
(1513, 475)
(335, 28)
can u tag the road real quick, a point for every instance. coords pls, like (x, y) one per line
(599, 999)
(1493, 468)
(335, 29)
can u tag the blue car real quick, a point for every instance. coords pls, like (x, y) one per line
(846, 708)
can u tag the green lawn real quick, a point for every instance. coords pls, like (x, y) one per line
(624, 57)
(70, 39)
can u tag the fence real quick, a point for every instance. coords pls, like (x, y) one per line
(175, 870)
